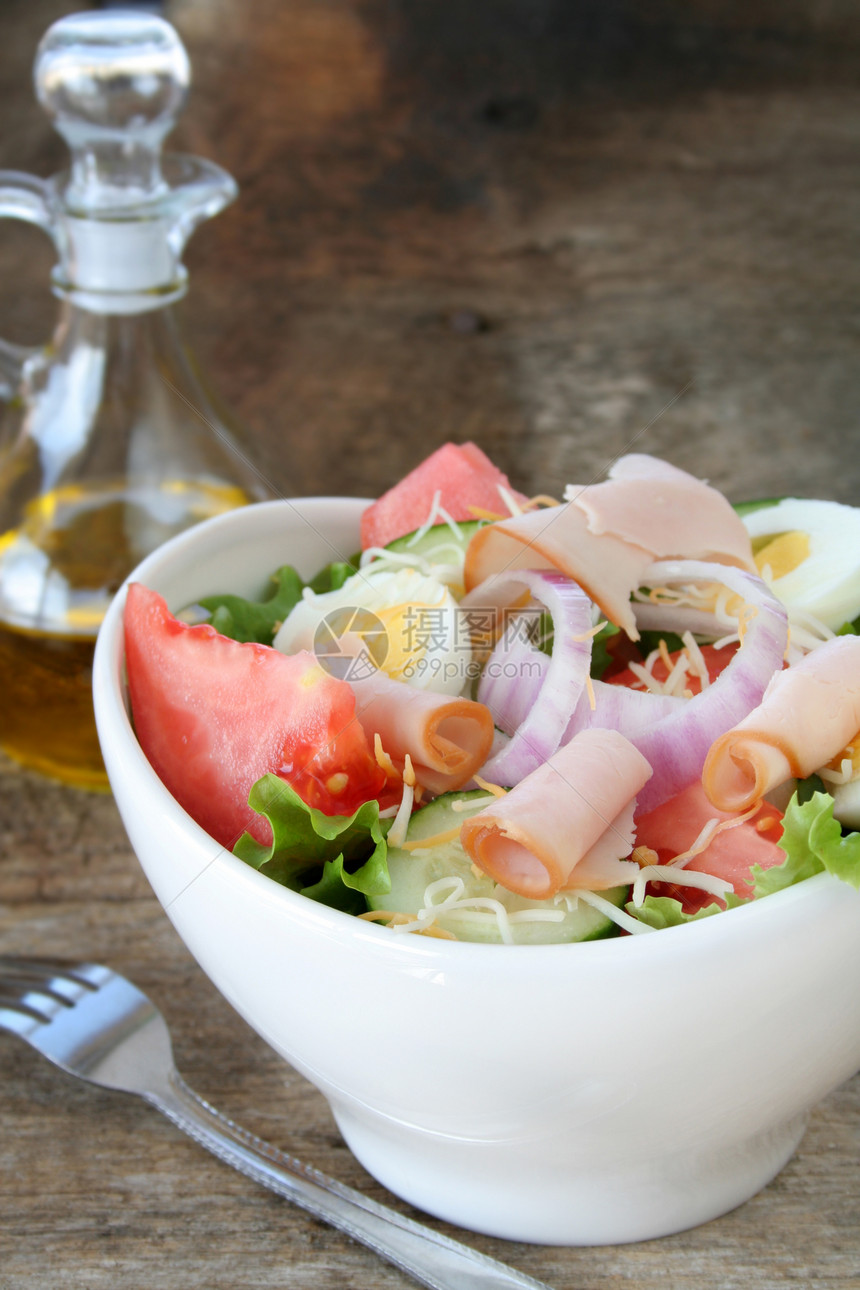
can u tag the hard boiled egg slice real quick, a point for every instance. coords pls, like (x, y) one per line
(808, 552)
(842, 779)
(402, 621)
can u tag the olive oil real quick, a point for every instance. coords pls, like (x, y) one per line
(46, 713)
(58, 573)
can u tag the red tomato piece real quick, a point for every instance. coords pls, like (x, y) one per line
(672, 828)
(213, 715)
(464, 477)
(715, 661)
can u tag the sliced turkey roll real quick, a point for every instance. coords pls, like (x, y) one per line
(567, 825)
(447, 739)
(809, 713)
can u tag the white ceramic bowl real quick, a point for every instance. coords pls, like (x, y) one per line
(583, 1094)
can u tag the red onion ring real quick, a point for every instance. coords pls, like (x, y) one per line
(539, 734)
(511, 681)
(677, 744)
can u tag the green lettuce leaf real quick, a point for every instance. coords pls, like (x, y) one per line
(334, 859)
(256, 620)
(601, 655)
(664, 911)
(259, 620)
(334, 575)
(813, 842)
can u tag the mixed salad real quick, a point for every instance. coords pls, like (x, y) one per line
(527, 720)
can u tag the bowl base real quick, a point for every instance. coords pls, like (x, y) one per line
(509, 1191)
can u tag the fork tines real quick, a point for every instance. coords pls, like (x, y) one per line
(39, 988)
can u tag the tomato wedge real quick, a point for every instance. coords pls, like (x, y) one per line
(213, 715)
(672, 828)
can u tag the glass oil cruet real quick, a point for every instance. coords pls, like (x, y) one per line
(110, 444)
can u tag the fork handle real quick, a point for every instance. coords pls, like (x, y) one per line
(432, 1259)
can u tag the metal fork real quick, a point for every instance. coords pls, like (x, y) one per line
(93, 1023)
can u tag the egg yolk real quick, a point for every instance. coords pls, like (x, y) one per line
(782, 554)
(410, 631)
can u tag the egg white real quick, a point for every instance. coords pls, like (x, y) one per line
(423, 643)
(846, 803)
(826, 584)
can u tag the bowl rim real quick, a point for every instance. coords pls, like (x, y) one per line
(110, 700)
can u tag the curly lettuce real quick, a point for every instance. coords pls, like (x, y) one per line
(337, 860)
(813, 842)
(245, 620)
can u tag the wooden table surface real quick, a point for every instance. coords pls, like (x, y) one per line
(559, 229)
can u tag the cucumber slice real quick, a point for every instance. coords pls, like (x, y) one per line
(411, 872)
(439, 544)
(440, 552)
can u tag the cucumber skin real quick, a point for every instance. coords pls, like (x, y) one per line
(411, 874)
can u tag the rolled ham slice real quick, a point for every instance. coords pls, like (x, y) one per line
(807, 715)
(566, 825)
(605, 535)
(447, 739)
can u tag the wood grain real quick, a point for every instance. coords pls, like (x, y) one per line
(560, 230)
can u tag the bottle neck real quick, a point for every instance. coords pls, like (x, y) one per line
(118, 266)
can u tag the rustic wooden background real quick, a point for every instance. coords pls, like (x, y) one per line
(560, 228)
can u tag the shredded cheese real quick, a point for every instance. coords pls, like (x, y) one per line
(397, 832)
(709, 831)
(427, 844)
(681, 878)
(447, 896)
(591, 633)
(698, 666)
(480, 513)
(438, 515)
(540, 499)
(844, 775)
(495, 789)
(619, 916)
(382, 758)
(509, 500)
(462, 804)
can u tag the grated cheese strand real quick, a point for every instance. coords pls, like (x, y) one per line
(427, 844)
(620, 916)
(591, 633)
(481, 513)
(708, 882)
(709, 831)
(382, 758)
(437, 515)
(397, 832)
(540, 499)
(697, 659)
(462, 805)
(495, 789)
(508, 498)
